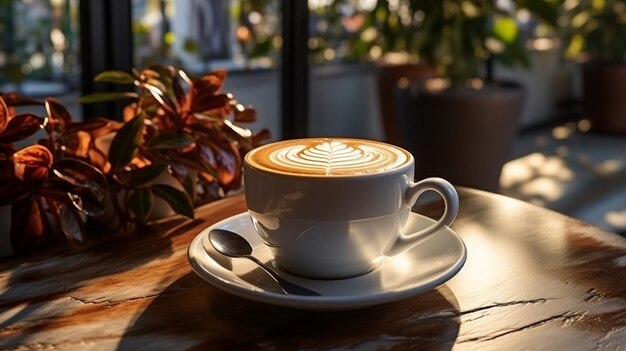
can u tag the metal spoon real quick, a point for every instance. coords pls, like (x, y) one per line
(234, 245)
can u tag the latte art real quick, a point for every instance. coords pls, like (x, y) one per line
(328, 157)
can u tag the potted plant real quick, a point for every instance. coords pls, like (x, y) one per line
(462, 124)
(44, 197)
(596, 35)
(180, 145)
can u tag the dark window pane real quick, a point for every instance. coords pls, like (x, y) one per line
(198, 34)
(39, 49)
(39, 46)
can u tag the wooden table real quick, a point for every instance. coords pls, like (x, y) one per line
(534, 280)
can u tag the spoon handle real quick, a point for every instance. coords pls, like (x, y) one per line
(287, 286)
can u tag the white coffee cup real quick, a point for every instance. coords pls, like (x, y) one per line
(332, 208)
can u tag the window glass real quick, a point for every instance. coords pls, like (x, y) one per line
(199, 34)
(337, 30)
(242, 36)
(39, 47)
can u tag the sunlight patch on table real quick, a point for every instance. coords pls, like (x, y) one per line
(548, 189)
(537, 175)
(616, 218)
(563, 132)
(486, 252)
(609, 167)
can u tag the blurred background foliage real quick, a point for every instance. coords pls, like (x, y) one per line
(595, 29)
(39, 38)
(457, 36)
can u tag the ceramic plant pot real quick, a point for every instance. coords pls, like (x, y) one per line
(465, 135)
(604, 88)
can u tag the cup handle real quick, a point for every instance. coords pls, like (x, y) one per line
(451, 200)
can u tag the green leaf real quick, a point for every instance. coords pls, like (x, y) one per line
(160, 97)
(171, 140)
(575, 47)
(143, 175)
(102, 97)
(178, 200)
(140, 204)
(118, 77)
(506, 29)
(548, 11)
(126, 142)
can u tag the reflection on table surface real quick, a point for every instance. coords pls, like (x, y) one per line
(534, 279)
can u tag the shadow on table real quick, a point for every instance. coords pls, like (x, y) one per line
(36, 280)
(192, 314)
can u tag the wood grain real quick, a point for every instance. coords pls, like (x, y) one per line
(534, 279)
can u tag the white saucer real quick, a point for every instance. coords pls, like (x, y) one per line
(426, 266)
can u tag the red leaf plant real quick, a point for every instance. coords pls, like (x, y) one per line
(189, 125)
(181, 143)
(48, 199)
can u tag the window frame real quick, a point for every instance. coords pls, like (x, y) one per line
(107, 43)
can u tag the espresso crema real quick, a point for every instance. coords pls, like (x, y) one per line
(328, 157)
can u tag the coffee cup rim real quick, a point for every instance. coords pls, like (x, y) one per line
(400, 169)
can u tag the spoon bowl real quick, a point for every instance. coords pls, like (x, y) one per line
(231, 244)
